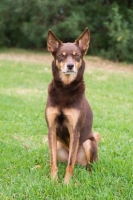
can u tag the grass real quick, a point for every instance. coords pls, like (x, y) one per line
(23, 146)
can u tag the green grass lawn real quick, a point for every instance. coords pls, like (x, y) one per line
(24, 158)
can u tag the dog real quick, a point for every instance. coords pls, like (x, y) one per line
(68, 114)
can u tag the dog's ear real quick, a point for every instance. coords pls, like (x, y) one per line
(52, 42)
(83, 41)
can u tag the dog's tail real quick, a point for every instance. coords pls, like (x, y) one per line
(97, 137)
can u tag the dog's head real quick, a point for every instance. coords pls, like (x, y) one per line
(68, 56)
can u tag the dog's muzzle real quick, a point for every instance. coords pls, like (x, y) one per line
(69, 68)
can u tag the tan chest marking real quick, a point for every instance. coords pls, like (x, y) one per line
(67, 79)
(52, 113)
(72, 116)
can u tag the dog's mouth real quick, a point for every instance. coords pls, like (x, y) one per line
(69, 72)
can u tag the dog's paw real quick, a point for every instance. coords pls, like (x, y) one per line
(53, 174)
(67, 178)
(97, 137)
(68, 174)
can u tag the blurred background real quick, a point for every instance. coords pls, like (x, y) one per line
(24, 24)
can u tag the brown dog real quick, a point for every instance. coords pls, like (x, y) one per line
(68, 114)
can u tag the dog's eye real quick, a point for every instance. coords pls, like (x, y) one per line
(77, 55)
(61, 56)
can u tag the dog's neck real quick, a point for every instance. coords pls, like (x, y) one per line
(66, 95)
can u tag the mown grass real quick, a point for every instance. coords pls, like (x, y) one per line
(24, 151)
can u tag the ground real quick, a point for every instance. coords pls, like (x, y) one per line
(24, 173)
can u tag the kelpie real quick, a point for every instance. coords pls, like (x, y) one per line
(68, 114)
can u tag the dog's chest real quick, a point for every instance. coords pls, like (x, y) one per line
(61, 119)
(65, 117)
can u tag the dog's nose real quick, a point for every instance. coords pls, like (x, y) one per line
(70, 66)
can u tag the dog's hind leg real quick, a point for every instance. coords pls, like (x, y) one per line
(91, 149)
(87, 145)
(81, 156)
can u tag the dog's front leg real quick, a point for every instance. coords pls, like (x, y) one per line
(73, 148)
(72, 117)
(53, 152)
(51, 115)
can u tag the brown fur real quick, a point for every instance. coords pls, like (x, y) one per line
(68, 114)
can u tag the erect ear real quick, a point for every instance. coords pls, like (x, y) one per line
(52, 42)
(83, 41)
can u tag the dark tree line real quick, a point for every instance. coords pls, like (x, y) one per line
(24, 23)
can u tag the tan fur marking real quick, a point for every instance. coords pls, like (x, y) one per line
(87, 148)
(59, 65)
(72, 116)
(78, 64)
(51, 113)
(67, 78)
(74, 53)
(63, 53)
